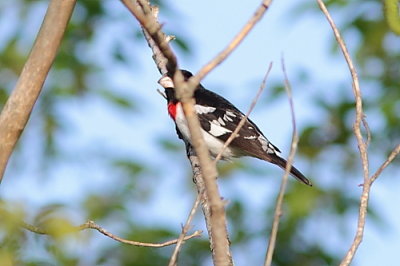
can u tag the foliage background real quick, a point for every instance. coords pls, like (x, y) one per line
(100, 146)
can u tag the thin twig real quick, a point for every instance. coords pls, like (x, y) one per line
(162, 93)
(185, 229)
(93, 225)
(143, 13)
(19, 105)
(244, 118)
(391, 157)
(361, 144)
(356, 90)
(293, 148)
(258, 14)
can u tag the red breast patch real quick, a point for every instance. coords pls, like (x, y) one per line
(172, 110)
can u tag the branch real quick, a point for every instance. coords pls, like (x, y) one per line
(93, 225)
(155, 37)
(244, 118)
(214, 213)
(184, 92)
(258, 14)
(219, 233)
(201, 190)
(362, 145)
(19, 105)
(356, 90)
(185, 229)
(391, 157)
(293, 148)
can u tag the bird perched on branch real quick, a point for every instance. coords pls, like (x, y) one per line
(218, 119)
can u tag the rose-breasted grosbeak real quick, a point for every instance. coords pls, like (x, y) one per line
(218, 119)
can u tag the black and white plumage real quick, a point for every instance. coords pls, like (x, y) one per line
(218, 119)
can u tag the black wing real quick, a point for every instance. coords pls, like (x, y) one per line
(222, 122)
(222, 118)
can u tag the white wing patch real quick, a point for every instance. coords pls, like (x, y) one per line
(227, 116)
(266, 145)
(230, 113)
(204, 109)
(216, 130)
(219, 122)
(250, 137)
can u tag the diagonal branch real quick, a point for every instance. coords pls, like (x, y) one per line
(362, 145)
(293, 148)
(142, 11)
(244, 118)
(208, 169)
(258, 14)
(19, 105)
(184, 92)
(214, 213)
(185, 229)
(391, 157)
(93, 225)
(356, 90)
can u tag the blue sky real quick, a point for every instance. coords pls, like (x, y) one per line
(305, 42)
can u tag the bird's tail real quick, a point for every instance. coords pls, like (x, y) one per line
(293, 171)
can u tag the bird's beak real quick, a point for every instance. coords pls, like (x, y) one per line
(166, 82)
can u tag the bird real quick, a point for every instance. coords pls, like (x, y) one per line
(218, 119)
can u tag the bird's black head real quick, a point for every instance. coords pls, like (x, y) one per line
(167, 82)
(170, 93)
(186, 74)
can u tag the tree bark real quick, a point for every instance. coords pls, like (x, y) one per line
(19, 105)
